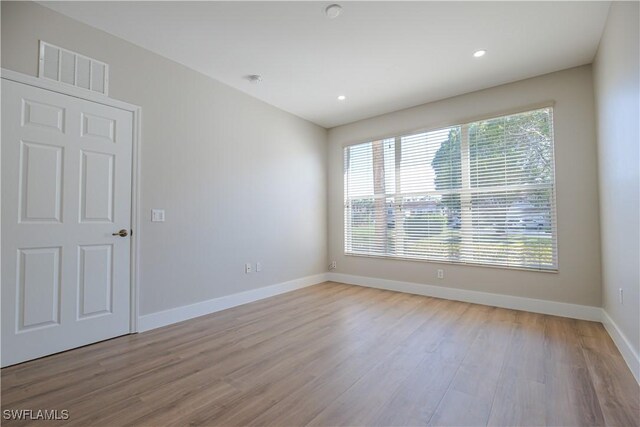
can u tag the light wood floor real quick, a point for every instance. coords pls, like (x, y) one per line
(335, 354)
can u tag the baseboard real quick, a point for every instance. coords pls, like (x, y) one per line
(624, 346)
(574, 311)
(186, 312)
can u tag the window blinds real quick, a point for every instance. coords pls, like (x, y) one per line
(477, 193)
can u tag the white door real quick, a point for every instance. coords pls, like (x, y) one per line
(66, 188)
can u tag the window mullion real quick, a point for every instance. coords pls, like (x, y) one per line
(465, 196)
(397, 201)
(348, 246)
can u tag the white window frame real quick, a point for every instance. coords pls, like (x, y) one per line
(465, 205)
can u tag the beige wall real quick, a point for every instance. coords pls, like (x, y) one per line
(616, 81)
(578, 279)
(240, 180)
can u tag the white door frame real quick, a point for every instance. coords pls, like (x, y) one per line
(135, 167)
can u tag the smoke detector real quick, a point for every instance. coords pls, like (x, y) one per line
(254, 78)
(333, 11)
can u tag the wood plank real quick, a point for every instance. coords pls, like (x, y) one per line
(571, 397)
(387, 326)
(520, 396)
(443, 345)
(617, 391)
(470, 396)
(335, 354)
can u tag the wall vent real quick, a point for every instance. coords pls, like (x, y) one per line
(65, 66)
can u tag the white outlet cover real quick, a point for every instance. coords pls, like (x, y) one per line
(258, 267)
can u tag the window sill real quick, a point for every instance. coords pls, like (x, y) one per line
(464, 264)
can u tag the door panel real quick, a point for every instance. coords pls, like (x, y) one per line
(38, 114)
(40, 184)
(98, 127)
(96, 181)
(38, 288)
(95, 281)
(66, 187)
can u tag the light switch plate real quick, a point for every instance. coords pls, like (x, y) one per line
(157, 215)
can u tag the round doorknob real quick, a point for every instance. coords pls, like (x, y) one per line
(121, 233)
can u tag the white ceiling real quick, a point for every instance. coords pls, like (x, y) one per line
(384, 56)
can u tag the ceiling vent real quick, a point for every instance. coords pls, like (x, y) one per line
(65, 66)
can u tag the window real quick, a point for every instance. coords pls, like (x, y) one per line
(477, 193)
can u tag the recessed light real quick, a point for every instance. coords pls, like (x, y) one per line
(341, 98)
(479, 53)
(333, 11)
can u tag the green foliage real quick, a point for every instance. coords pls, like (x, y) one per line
(447, 165)
(447, 162)
(518, 145)
(508, 150)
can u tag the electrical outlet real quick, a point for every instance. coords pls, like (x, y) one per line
(258, 267)
(247, 268)
(440, 273)
(333, 265)
(621, 296)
